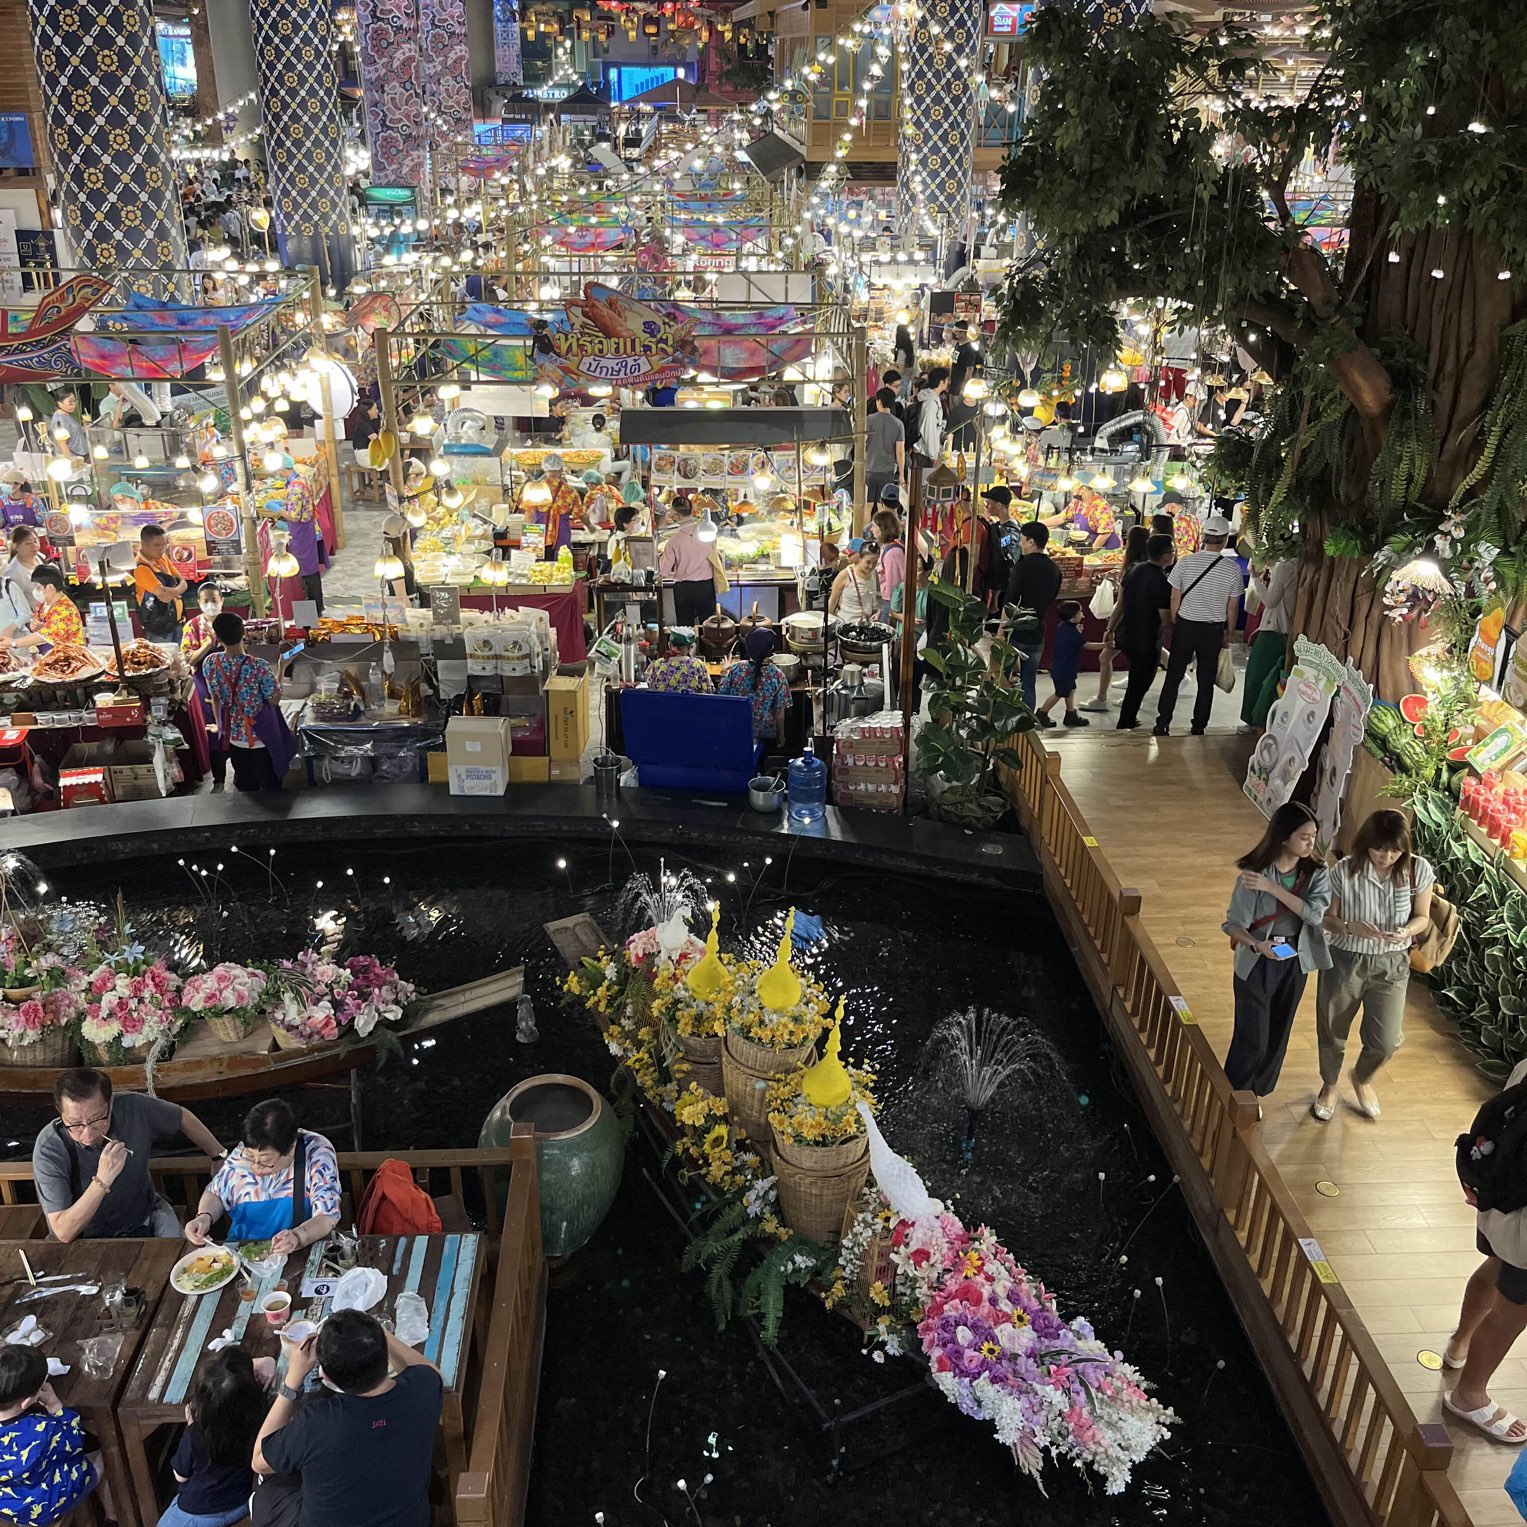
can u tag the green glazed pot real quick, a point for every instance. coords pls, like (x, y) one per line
(579, 1156)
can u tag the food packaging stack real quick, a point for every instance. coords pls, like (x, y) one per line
(867, 769)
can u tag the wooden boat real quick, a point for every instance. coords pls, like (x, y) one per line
(203, 1066)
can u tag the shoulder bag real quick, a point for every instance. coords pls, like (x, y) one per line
(1435, 944)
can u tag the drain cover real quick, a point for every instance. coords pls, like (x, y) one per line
(1187, 943)
(1327, 1189)
(1432, 1360)
(991, 848)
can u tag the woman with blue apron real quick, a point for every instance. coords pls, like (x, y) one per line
(275, 1154)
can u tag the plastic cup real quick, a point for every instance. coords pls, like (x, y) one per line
(276, 1308)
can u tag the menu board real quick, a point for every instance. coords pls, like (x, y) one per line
(735, 469)
(1293, 727)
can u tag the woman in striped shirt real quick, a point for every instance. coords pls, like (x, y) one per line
(1381, 901)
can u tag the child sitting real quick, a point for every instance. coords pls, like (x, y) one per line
(44, 1470)
(213, 1464)
(1065, 657)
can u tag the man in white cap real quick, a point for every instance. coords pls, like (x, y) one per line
(1206, 600)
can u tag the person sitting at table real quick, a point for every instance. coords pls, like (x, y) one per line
(91, 1164)
(365, 1451)
(254, 1186)
(212, 1464)
(681, 672)
(58, 621)
(757, 680)
(45, 1471)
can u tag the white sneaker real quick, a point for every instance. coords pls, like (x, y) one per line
(1094, 705)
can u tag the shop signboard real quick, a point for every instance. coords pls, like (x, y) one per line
(16, 152)
(220, 524)
(1294, 725)
(613, 338)
(1007, 20)
(1349, 716)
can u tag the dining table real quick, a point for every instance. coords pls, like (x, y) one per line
(445, 1270)
(72, 1318)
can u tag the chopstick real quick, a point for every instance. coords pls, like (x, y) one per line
(130, 1151)
(31, 1276)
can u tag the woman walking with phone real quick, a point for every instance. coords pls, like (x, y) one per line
(1275, 923)
(1381, 902)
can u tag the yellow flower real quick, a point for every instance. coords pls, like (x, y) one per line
(717, 1138)
(879, 1294)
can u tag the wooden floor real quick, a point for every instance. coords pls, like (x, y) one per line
(1170, 817)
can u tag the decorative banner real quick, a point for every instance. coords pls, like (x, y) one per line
(1293, 726)
(41, 351)
(448, 67)
(613, 338)
(508, 66)
(393, 72)
(304, 148)
(103, 100)
(938, 118)
(1349, 716)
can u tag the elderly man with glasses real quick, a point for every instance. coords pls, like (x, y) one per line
(91, 1163)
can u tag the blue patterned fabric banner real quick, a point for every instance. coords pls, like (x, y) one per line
(508, 62)
(938, 119)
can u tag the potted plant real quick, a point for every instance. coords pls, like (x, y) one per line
(230, 999)
(974, 714)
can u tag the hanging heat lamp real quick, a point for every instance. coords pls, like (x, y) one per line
(1029, 398)
(651, 27)
(1113, 380)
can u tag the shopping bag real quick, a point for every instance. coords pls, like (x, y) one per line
(1103, 600)
(1224, 674)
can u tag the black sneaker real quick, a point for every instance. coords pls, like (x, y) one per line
(1042, 720)
(1072, 719)
(1195, 731)
(1160, 731)
(1127, 726)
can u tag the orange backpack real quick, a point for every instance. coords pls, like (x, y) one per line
(396, 1205)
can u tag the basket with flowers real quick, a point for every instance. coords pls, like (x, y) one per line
(772, 1040)
(21, 951)
(39, 1030)
(319, 999)
(230, 999)
(132, 1001)
(819, 1136)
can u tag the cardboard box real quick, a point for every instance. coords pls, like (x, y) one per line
(529, 769)
(82, 776)
(139, 771)
(120, 712)
(477, 752)
(567, 716)
(561, 771)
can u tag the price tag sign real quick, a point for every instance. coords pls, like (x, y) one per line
(1184, 1012)
(1317, 1260)
(319, 1288)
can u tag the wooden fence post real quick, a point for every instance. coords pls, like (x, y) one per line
(1228, 1169)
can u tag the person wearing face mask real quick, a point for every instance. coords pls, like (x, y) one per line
(1275, 923)
(280, 1185)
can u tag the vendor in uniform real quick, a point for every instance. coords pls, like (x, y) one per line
(557, 516)
(1091, 514)
(296, 509)
(255, 1186)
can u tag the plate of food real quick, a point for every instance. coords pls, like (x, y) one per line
(204, 1270)
(221, 524)
(665, 463)
(140, 658)
(66, 664)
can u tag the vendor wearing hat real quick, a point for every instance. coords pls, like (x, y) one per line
(559, 514)
(1091, 514)
(681, 672)
(1187, 528)
(296, 511)
(18, 504)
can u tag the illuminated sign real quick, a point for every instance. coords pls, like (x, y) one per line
(1006, 20)
(613, 338)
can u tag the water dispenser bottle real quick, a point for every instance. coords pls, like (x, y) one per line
(808, 787)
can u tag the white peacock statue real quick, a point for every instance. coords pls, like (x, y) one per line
(896, 1177)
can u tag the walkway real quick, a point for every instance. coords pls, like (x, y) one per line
(1171, 820)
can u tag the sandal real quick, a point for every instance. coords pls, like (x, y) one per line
(1493, 1420)
(1452, 1362)
(1322, 1111)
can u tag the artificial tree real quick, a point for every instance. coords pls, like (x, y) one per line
(1156, 164)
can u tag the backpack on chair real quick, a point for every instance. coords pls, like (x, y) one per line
(1492, 1156)
(394, 1204)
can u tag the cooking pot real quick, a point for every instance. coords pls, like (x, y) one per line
(766, 792)
(717, 634)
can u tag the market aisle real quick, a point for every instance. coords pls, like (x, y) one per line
(1171, 818)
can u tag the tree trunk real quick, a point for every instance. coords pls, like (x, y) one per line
(1457, 323)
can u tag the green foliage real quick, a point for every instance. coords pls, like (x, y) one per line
(1480, 986)
(1490, 496)
(975, 714)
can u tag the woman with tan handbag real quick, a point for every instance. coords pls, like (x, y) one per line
(1380, 903)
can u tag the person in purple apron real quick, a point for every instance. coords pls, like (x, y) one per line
(280, 1185)
(198, 641)
(297, 514)
(250, 725)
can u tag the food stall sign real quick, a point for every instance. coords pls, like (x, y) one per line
(613, 338)
(1007, 21)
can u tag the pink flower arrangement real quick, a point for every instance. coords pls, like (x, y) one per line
(999, 1350)
(131, 1001)
(234, 991)
(26, 1023)
(320, 998)
(646, 949)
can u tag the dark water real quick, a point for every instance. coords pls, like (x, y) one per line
(1065, 1169)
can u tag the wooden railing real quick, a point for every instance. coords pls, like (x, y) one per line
(1374, 1463)
(492, 1489)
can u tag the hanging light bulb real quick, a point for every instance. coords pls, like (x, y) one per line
(599, 389)
(1065, 483)
(182, 463)
(453, 498)
(537, 491)
(208, 483)
(140, 462)
(23, 413)
(422, 423)
(1102, 483)
(819, 455)
(99, 452)
(387, 567)
(271, 461)
(975, 389)
(1141, 482)
(413, 512)
(1113, 380)
(60, 469)
(707, 529)
(763, 481)
(438, 467)
(545, 390)
(1028, 398)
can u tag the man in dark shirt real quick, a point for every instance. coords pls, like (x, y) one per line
(1034, 583)
(1145, 609)
(365, 1450)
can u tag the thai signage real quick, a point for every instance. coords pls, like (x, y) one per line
(614, 338)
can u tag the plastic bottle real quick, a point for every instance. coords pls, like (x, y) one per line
(808, 787)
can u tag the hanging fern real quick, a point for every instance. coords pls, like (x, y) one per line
(1502, 463)
(1408, 457)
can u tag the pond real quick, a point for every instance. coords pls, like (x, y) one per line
(1064, 1168)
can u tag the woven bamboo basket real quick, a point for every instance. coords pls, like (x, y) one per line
(701, 1049)
(285, 1041)
(19, 994)
(762, 1059)
(98, 1054)
(747, 1097)
(820, 1158)
(57, 1047)
(706, 1076)
(813, 1203)
(230, 1027)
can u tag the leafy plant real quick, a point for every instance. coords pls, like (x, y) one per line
(974, 712)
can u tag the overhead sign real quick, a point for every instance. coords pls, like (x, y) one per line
(16, 151)
(1008, 19)
(614, 338)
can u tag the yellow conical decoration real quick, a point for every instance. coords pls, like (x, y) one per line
(826, 1084)
(779, 988)
(708, 975)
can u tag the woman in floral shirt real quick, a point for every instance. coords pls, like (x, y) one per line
(254, 1186)
(239, 686)
(681, 672)
(760, 682)
(58, 621)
